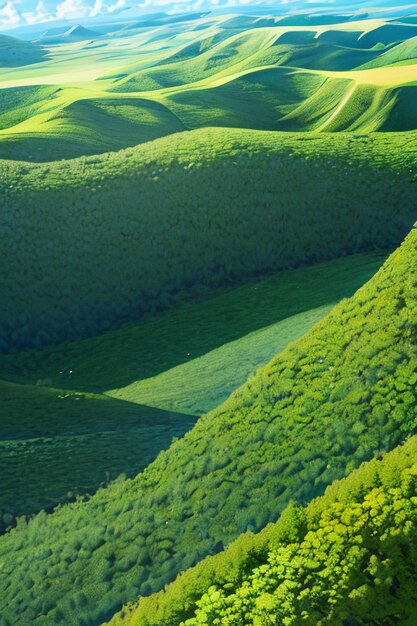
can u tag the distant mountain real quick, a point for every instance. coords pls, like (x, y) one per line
(75, 33)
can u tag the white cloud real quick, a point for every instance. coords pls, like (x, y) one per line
(10, 14)
(119, 4)
(40, 14)
(97, 9)
(72, 9)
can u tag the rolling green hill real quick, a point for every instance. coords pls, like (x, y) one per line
(342, 394)
(363, 527)
(168, 75)
(210, 208)
(201, 331)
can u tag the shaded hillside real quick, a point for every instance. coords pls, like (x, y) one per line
(57, 444)
(15, 52)
(342, 394)
(63, 218)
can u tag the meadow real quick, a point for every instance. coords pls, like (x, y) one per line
(208, 321)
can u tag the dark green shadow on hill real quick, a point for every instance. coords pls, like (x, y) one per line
(56, 444)
(161, 341)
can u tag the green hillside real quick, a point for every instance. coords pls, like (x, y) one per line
(208, 315)
(342, 394)
(71, 440)
(210, 207)
(350, 554)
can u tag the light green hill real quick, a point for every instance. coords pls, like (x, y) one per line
(286, 434)
(405, 51)
(136, 85)
(91, 126)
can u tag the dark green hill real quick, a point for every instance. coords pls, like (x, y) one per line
(15, 52)
(388, 34)
(208, 207)
(56, 444)
(340, 396)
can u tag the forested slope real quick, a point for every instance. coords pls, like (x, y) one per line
(342, 394)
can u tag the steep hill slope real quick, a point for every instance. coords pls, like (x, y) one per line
(286, 434)
(188, 201)
(364, 526)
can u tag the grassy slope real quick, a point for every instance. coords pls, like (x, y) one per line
(326, 528)
(289, 432)
(239, 193)
(14, 52)
(72, 440)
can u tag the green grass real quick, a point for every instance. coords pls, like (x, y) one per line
(210, 207)
(342, 394)
(60, 434)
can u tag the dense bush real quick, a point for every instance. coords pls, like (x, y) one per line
(286, 434)
(93, 241)
(337, 557)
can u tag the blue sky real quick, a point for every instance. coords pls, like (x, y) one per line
(17, 13)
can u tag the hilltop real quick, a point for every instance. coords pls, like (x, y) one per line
(316, 412)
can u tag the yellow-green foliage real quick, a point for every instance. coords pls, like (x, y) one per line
(349, 554)
(339, 396)
(103, 239)
(357, 564)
